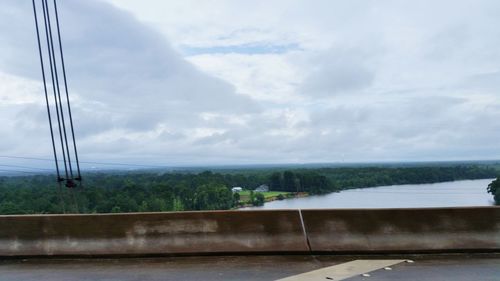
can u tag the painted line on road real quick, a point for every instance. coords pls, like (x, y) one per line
(342, 271)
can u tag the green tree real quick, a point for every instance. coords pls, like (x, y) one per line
(251, 198)
(276, 182)
(494, 189)
(10, 208)
(151, 191)
(289, 181)
(178, 205)
(157, 205)
(259, 199)
(236, 198)
(144, 207)
(213, 196)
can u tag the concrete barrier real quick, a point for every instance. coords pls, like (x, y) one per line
(277, 231)
(403, 230)
(152, 233)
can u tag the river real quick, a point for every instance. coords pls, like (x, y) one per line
(444, 194)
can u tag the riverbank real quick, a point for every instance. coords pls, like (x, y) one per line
(269, 196)
(444, 194)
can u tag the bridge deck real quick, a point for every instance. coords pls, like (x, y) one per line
(207, 268)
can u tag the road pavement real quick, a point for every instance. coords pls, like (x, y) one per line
(210, 268)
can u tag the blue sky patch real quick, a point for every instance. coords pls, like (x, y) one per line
(248, 49)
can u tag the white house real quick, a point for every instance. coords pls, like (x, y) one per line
(262, 188)
(236, 189)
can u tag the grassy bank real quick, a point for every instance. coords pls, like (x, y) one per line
(268, 195)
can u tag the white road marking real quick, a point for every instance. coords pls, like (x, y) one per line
(342, 271)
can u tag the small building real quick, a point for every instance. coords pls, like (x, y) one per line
(262, 188)
(236, 189)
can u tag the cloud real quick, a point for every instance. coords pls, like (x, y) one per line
(486, 82)
(190, 82)
(124, 77)
(255, 48)
(269, 78)
(337, 72)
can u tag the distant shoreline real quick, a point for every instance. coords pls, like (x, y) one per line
(293, 195)
(388, 194)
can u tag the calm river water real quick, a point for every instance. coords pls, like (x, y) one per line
(445, 194)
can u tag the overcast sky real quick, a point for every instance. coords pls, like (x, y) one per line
(282, 81)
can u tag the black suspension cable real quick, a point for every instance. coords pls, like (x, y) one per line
(69, 181)
(59, 179)
(54, 89)
(45, 90)
(79, 178)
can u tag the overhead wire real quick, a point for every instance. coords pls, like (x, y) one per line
(89, 162)
(25, 167)
(16, 171)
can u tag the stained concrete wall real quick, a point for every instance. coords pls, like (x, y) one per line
(280, 231)
(404, 230)
(152, 233)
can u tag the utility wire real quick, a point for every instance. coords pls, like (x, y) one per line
(25, 167)
(89, 162)
(27, 158)
(16, 171)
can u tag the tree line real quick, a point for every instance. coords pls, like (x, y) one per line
(154, 191)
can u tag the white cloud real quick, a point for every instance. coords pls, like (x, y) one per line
(265, 77)
(337, 72)
(197, 82)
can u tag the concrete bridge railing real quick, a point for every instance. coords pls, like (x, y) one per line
(404, 230)
(245, 232)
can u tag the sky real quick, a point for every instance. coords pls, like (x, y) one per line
(212, 82)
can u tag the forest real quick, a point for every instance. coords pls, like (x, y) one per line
(155, 191)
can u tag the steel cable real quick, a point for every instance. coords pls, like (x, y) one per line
(59, 179)
(79, 178)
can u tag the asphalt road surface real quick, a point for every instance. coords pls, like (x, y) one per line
(208, 268)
